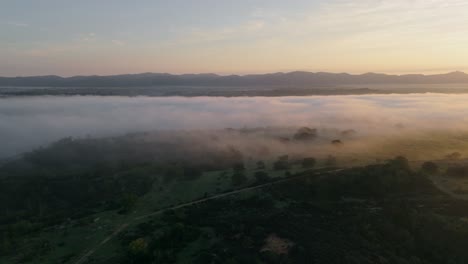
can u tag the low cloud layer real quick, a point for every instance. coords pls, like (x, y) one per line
(30, 122)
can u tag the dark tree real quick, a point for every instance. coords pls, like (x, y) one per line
(127, 203)
(457, 171)
(453, 156)
(308, 162)
(261, 165)
(192, 173)
(430, 167)
(239, 167)
(337, 143)
(305, 133)
(282, 163)
(330, 161)
(284, 140)
(238, 178)
(400, 163)
(262, 177)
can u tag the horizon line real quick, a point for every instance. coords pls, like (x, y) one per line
(240, 75)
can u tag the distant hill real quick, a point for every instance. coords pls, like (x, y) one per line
(297, 78)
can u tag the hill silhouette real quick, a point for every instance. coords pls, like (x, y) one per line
(297, 78)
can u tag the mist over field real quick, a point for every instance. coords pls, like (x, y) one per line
(31, 122)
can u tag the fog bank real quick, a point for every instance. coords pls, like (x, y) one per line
(30, 122)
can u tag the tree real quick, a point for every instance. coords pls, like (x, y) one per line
(260, 165)
(305, 133)
(262, 177)
(330, 161)
(308, 162)
(429, 167)
(337, 143)
(6, 247)
(282, 163)
(172, 172)
(400, 163)
(457, 171)
(239, 167)
(192, 173)
(453, 156)
(238, 178)
(128, 202)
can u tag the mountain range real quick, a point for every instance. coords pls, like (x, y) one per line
(297, 78)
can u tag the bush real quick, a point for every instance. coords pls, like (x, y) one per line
(138, 251)
(138, 246)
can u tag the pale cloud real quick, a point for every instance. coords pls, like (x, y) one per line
(346, 20)
(118, 42)
(395, 16)
(87, 37)
(254, 26)
(343, 19)
(360, 36)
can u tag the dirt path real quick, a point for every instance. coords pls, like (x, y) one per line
(91, 251)
(122, 227)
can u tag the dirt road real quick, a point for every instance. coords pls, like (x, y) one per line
(122, 227)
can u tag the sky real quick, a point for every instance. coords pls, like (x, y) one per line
(65, 37)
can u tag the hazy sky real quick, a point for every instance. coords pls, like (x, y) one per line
(68, 37)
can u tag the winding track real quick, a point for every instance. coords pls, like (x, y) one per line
(122, 227)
